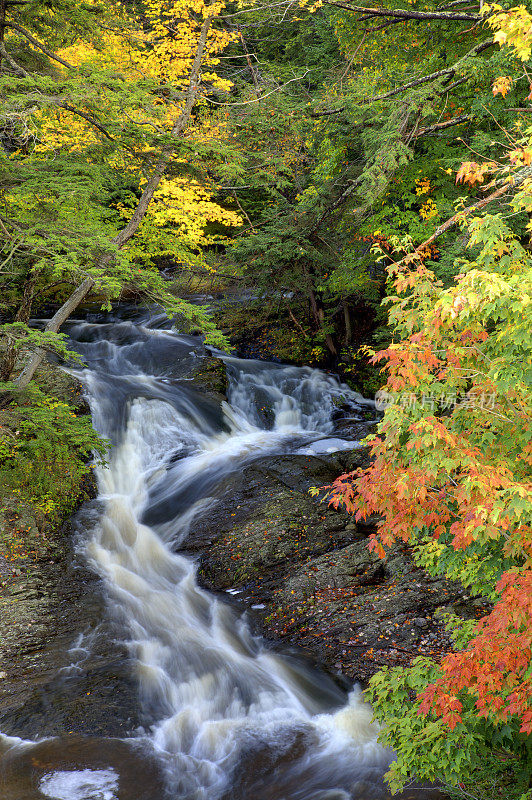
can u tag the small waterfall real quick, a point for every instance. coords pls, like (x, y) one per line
(221, 701)
(287, 398)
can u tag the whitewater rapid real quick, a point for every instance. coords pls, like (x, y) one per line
(220, 701)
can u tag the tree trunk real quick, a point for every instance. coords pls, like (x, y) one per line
(129, 230)
(347, 321)
(318, 313)
(22, 315)
(53, 326)
(314, 309)
(329, 341)
(2, 24)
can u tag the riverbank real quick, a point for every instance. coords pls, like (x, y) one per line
(51, 604)
(277, 329)
(303, 571)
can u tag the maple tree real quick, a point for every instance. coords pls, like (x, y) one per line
(451, 473)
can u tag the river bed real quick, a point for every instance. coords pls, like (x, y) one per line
(221, 715)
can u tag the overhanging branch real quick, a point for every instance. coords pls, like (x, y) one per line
(440, 126)
(400, 13)
(517, 179)
(441, 73)
(36, 43)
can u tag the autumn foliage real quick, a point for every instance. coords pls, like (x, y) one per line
(451, 471)
(451, 462)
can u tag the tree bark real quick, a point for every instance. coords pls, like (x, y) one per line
(2, 23)
(347, 321)
(129, 230)
(400, 13)
(440, 126)
(318, 315)
(27, 35)
(23, 314)
(53, 326)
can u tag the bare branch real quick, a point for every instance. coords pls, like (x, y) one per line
(90, 119)
(17, 69)
(181, 123)
(338, 202)
(129, 230)
(442, 125)
(385, 25)
(400, 13)
(316, 114)
(262, 96)
(450, 86)
(442, 73)
(517, 180)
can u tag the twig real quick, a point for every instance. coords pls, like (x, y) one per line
(262, 96)
(244, 212)
(294, 320)
(449, 71)
(90, 119)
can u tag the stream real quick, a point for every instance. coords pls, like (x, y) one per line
(230, 719)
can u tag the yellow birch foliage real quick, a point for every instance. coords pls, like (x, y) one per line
(164, 52)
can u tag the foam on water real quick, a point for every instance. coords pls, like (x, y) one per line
(214, 691)
(86, 784)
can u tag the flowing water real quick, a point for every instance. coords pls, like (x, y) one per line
(231, 720)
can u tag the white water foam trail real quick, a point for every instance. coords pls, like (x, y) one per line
(96, 784)
(211, 686)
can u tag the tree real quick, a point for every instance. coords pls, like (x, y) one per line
(90, 131)
(391, 101)
(451, 475)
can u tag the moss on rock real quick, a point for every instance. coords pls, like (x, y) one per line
(211, 376)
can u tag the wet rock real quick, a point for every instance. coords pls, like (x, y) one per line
(211, 377)
(47, 601)
(48, 689)
(63, 386)
(74, 764)
(308, 572)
